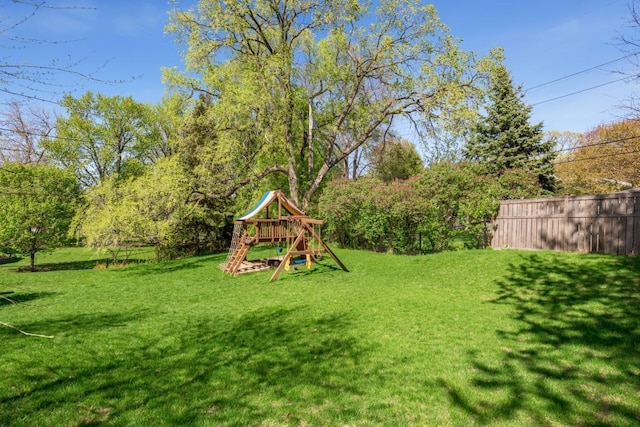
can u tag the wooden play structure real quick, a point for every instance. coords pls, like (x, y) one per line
(276, 220)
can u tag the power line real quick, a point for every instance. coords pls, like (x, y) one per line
(14, 150)
(596, 144)
(44, 136)
(579, 72)
(581, 91)
(613, 141)
(604, 156)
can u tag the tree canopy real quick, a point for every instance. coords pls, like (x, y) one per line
(395, 159)
(37, 203)
(605, 160)
(23, 128)
(296, 86)
(150, 209)
(104, 135)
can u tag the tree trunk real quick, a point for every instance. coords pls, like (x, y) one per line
(293, 186)
(355, 165)
(310, 140)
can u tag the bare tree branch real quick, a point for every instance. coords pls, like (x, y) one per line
(25, 333)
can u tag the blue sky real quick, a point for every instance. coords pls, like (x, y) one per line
(543, 40)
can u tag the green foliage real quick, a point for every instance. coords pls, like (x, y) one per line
(101, 136)
(296, 87)
(443, 186)
(506, 338)
(342, 205)
(155, 208)
(110, 220)
(370, 214)
(505, 139)
(37, 203)
(395, 160)
(425, 213)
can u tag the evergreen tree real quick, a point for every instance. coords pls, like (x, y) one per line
(505, 139)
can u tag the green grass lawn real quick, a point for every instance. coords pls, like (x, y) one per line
(458, 338)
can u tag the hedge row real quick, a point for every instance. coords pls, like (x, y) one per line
(425, 213)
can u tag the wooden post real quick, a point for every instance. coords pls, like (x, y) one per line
(287, 255)
(326, 248)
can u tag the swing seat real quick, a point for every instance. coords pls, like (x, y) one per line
(298, 260)
(274, 261)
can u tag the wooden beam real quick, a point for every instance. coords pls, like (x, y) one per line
(324, 245)
(288, 255)
(308, 252)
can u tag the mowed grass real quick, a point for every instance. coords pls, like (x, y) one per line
(458, 338)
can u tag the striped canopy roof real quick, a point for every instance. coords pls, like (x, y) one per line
(268, 198)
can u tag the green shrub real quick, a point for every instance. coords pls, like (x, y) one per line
(425, 213)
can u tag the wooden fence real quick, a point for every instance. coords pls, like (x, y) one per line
(606, 224)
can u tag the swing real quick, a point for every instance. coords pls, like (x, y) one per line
(275, 258)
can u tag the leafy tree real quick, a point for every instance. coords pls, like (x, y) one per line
(370, 214)
(155, 208)
(108, 221)
(37, 203)
(605, 160)
(444, 187)
(103, 135)
(348, 208)
(395, 159)
(505, 139)
(295, 87)
(165, 121)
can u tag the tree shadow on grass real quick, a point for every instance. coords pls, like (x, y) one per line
(9, 260)
(98, 263)
(80, 323)
(147, 266)
(103, 263)
(274, 366)
(318, 268)
(573, 356)
(11, 297)
(160, 267)
(69, 265)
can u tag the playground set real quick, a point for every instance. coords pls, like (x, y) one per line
(276, 220)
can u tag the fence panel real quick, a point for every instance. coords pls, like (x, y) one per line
(599, 224)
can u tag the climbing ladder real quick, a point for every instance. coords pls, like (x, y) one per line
(237, 257)
(235, 239)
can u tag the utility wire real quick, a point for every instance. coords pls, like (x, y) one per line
(18, 150)
(581, 91)
(41, 135)
(579, 72)
(596, 144)
(15, 150)
(604, 156)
